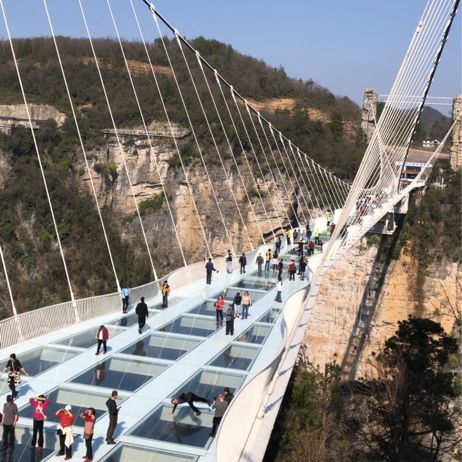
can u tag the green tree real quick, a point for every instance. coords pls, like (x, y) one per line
(408, 413)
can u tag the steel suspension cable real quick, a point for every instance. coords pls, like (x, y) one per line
(269, 166)
(74, 115)
(103, 85)
(281, 140)
(229, 146)
(256, 159)
(195, 136)
(280, 174)
(169, 122)
(37, 151)
(151, 149)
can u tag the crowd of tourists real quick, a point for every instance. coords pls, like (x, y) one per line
(301, 243)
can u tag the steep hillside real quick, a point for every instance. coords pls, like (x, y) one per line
(320, 123)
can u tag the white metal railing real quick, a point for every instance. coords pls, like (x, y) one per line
(36, 323)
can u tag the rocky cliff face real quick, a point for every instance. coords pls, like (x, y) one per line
(438, 296)
(150, 169)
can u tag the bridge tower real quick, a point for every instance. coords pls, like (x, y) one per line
(369, 112)
(456, 148)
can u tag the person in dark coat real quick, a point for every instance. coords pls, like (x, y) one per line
(189, 397)
(113, 411)
(14, 367)
(208, 269)
(243, 262)
(142, 312)
(230, 320)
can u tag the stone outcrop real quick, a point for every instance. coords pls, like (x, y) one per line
(456, 147)
(369, 112)
(16, 114)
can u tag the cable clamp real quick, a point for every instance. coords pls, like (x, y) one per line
(152, 8)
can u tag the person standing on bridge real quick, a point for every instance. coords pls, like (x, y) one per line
(230, 320)
(219, 306)
(39, 406)
(220, 406)
(308, 233)
(317, 236)
(9, 419)
(89, 417)
(208, 269)
(292, 268)
(268, 256)
(102, 336)
(278, 245)
(113, 411)
(302, 268)
(280, 268)
(243, 262)
(66, 438)
(288, 235)
(229, 262)
(165, 289)
(14, 367)
(124, 295)
(279, 291)
(142, 313)
(311, 247)
(246, 302)
(259, 261)
(237, 304)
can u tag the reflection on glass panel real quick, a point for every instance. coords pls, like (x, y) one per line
(126, 453)
(255, 284)
(264, 275)
(191, 325)
(236, 357)
(121, 374)
(86, 339)
(183, 427)
(270, 316)
(37, 361)
(161, 346)
(256, 334)
(208, 384)
(125, 321)
(23, 453)
(79, 401)
(207, 308)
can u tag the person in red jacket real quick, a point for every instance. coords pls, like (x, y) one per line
(102, 335)
(66, 438)
(219, 305)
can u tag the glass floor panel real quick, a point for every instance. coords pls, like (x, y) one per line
(161, 346)
(206, 308)
(236, 357)
(130, 319)
(208, 383)
(256, 334)
(191, 325)
(120, 374)
(230, 293)
(86, 339)
(21, 451)
(255, 284)
(183, 427)
(79, 401)
(270, 316)
(41, 359)
(267, 275)
(125, 321)
(126, 453)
